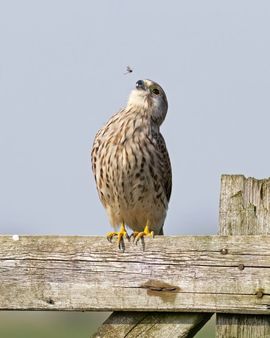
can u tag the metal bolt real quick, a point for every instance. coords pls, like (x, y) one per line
(259, 293)
(224, 251)
(241, 267)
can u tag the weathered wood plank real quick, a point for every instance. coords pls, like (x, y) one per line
(244, 206)
(152, 325)
(186, 273)
(243, 326)
(244, 210)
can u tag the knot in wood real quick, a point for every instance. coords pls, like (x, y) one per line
(156, 285)
(50, 301)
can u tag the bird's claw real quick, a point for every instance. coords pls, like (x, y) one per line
(120, 238)
(141, 235)
(137, 235)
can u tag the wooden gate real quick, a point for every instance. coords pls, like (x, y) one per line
(170, 289)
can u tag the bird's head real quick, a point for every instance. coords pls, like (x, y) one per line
(149, 97)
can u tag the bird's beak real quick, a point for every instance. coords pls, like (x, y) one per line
(140, 85)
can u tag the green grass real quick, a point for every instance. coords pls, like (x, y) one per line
(62, 325)
(208, 331)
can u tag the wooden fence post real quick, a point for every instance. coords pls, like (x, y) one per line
(244, 210)
(152, 325)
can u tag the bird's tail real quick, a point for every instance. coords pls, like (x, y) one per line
(161, 232)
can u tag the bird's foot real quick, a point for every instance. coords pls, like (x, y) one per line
(140, 235)
(120, 237)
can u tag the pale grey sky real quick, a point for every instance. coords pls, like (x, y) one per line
(61, 78)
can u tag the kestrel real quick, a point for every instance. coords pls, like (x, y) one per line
(131, 164)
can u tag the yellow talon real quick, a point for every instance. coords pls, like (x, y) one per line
(120, 236)
(145, 233)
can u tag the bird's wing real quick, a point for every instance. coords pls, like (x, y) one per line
(97, 140)
(165, 165)
(94, 152)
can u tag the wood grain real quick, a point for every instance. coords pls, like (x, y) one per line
(244, 210)
(152, 325)
(244, 206)
(185, 273)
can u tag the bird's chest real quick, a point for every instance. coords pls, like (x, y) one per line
(129, 168)
(131, 160)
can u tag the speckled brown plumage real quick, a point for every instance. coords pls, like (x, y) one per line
(131, 163)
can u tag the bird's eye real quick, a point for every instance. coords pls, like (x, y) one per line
(155, 91)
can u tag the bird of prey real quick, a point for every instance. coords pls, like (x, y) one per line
(131, 165)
